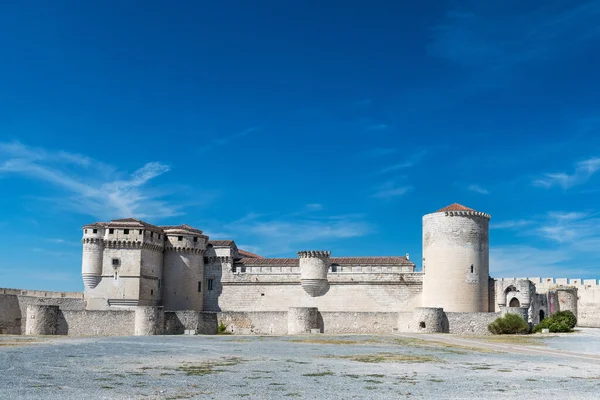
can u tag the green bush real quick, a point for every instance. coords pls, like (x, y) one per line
(510, 324)
(562, 321)
(222, 328)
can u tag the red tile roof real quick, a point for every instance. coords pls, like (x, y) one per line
(455, 207)
(333, 260)
(220, 243)
(247, 254)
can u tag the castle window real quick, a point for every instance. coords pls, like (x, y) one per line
(116, 262)
(211, 284)
(151, 292)
(233, 268)
(179, 238)
(111, 231)
(140, 231)
(95, 231)
(116, 276)
(514, 302)
(195, 239)
(471, 268)
(85, 231)
(151, 235)
(199, 287)
(126, 231)
(159, 235)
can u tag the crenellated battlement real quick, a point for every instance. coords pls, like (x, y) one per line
(467, 213)
(554, 282)
(187, 250)
(314, 254)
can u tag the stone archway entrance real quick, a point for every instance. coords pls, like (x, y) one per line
(514, 302)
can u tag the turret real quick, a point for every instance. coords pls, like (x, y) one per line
(456, 259)
(313, 272)
(93, 250)
(183, 270)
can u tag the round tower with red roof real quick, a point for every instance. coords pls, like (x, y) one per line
(456, 259)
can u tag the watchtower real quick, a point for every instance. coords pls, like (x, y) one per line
(456, 259)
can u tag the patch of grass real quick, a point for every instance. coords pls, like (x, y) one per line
(478, 367)
(324, 373)
(505, 370)
(324, 341)
(292, 395)
(531, 380)
(209, 367)
(389, 357)
(436, 380)
(276, 384)
(371, 387)
(373, 381)
(352, 376)
(118, 375)
(376, 375)
(500, 390)
(297, 362)
(514, 339)
(106, 387)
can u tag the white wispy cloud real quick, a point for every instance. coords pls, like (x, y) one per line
(584, 170)
(380, 152)
(378, 127)
(225, 140)
(391, 189)
(562, 240)
(276, 234)
(410, 161)
(497, 38)
(89, 186)
(510, 224)
(478, 189)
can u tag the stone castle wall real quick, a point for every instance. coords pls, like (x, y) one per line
(588, 294)
(351, 293)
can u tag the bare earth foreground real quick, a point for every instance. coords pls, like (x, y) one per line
(318, 366)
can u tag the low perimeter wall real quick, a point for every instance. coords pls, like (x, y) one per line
(276, 322)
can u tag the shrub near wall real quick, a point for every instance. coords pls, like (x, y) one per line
(510, 324)
(562, 321)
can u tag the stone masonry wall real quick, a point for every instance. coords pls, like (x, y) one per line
(588, 293)
(255, 323)
(470, 323)
(96, 323)
(377, 296)
(360, 322)
(13, 307)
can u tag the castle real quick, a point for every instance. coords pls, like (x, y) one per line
(146, 279)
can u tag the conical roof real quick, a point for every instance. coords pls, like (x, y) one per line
(455, 207)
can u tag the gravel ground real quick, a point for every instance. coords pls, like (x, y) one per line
(309, 367)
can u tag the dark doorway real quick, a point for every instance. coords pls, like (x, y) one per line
(514, 302)
(542, 315)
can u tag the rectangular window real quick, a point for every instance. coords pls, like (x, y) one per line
(85, 231)
(126, 231)
(140, 232)
(159, 283)
(210, 284)
(233, 268)
(116, 262)
(111, 231)
(195, 239)
(95, 231)
(151, 292)
(199, 287)
(159, 235)
(151, 235)
(180, 238)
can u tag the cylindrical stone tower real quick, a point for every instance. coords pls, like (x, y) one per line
(456, 259)
(183, 271)
(93, 251)
(41, 320)
(148, 321)
(428, 320)
(313, 272)
(567, 299)
(302, 320)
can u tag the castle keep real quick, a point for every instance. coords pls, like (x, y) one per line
(145, 279)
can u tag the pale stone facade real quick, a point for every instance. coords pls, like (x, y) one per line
(144, 279)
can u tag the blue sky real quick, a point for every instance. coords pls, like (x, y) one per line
(300, 125)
